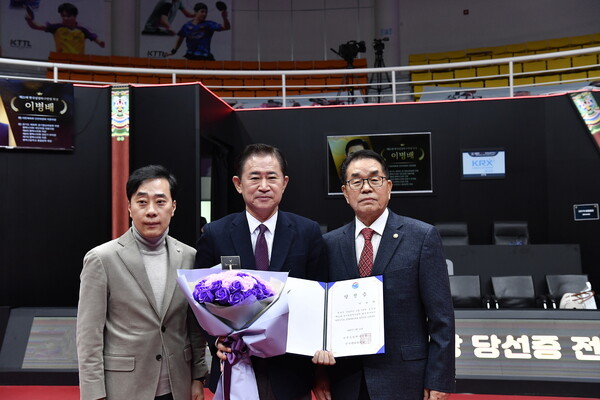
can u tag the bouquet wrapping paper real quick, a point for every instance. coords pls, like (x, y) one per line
(253, 328)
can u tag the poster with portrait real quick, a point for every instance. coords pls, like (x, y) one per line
(36, 115)
(408, 156)
(31, 29)
(162, 20)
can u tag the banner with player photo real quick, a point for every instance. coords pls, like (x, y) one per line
(31, 29)
(185, 29)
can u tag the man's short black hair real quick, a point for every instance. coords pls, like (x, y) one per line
(200, 6)
(260, 149)
(357, 142)
(143, 174)
(68, 8)
(359, 155)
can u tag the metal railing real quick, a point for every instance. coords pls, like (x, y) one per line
(397, 86)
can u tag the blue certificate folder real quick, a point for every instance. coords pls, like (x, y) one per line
(344, 317)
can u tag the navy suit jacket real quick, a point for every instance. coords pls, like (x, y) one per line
(418, 313)
(298, 248)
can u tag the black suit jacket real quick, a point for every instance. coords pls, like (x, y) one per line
(298, 248)
(418, 313)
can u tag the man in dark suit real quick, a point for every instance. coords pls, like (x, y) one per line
(419, 319)
(293, 243)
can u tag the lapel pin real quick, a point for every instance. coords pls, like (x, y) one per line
(395, 236)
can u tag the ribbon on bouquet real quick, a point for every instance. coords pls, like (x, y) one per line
(266, 337)
(239, 354)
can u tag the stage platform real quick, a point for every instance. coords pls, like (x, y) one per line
(72, 393)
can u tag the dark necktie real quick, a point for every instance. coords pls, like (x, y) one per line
(261, 252)
(365, 264)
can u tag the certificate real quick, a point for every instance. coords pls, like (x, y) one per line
(344, 317)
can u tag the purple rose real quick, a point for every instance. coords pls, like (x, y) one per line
(222, 295)
(203, 296)
(261, 291)
(216, 285)
(236, 297)
(236, 286)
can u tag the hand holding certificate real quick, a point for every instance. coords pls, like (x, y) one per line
(344, 317)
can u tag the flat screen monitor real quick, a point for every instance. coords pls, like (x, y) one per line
(36, 115)
(589, 111)
(483, 163)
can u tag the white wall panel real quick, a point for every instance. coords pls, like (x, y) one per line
(275, 35)
(245, 31)
(308, 35)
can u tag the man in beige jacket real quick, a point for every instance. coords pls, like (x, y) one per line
(136, 338)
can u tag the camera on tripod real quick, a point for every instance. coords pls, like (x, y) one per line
(378, 44)
(349, 50)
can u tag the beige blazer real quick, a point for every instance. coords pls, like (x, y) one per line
(120, 332)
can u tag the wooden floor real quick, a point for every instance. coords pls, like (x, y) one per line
(72, 393)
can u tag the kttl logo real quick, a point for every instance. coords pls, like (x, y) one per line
(482, 163)
(156, 53)
(22, 44)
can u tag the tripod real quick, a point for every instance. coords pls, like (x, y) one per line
(377, 78)
(348, 52)
(348, 83)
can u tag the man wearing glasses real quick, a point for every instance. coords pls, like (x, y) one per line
(419, 319)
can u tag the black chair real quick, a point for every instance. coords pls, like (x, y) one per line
(511, 232)
(514, 291)
(558, 285)
(466, 291)
(453, 233)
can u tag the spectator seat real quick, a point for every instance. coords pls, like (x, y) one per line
(514, 291)
(511, 232)
(466, 291)
(453, 233)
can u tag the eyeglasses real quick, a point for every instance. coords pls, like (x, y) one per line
(374, 182)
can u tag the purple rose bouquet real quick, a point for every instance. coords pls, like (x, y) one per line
(250, 308)
(236, 297)
(231, 287)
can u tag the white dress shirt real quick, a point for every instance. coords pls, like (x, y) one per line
(378, 226)
(253, 224)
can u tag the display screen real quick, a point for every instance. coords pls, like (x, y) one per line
(483, 164)
(51, 344)
(38, 339)
(528, 345)
(36, 115)
(588, 109)
(407, 155)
